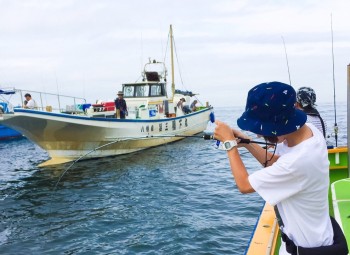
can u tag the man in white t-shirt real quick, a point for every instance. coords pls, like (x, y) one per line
(31, 104)
(295, 178)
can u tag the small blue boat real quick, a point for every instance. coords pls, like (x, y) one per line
(5, 132)
(8, 133)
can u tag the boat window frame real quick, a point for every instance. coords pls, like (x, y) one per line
(144, 92)
(131, 93)
(159, 87)
(148, 91)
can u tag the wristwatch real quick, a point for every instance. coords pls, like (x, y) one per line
(229, 145)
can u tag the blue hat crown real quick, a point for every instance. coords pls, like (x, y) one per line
(270, 110)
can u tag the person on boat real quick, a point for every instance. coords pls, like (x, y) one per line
(120, 106)
(295, 176)
(193, 106)
(182, 106)
(181, 103)
(31, 104)
(306, 99)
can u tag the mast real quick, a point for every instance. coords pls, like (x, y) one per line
(172, 61)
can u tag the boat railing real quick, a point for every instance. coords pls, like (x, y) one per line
(49, 102)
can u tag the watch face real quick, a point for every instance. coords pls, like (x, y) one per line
(227, 145)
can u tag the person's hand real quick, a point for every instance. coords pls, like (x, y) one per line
(223, 132)
(240, 134)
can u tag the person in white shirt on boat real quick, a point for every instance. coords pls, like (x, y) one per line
(31, 104)
(294, 179)
(306, 101)
(181, 103)
(182, 106)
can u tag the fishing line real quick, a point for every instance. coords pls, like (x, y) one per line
(212, 119)
(206, 136)
(91, 151)
(81, 157)
(285, 51)
(105, 145)
(335, 110)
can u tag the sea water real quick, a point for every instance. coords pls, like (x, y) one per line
(179, 198)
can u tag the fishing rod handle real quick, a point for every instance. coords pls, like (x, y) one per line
(208, 137)
(244, 140)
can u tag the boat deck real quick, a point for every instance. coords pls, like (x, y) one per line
(341, 205)
(266, 232)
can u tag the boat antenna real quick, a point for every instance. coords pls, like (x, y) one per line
(172, 61)
(141, 62)
(334, 104)
(285, 51)
(58, 94)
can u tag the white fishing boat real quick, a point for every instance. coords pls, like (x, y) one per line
(92, 130)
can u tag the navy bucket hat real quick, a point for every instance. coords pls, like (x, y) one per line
(270, 110)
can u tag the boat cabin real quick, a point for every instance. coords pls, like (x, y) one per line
(146, 99)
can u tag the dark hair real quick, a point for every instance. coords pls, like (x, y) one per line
(271, 139)
(310, 110)
(27, 95)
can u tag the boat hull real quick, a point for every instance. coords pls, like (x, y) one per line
(69, 137)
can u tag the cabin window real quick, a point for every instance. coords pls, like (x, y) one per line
(142, 91)
(156, 90)
(128, 91)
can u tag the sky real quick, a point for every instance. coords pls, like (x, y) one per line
(89, 48)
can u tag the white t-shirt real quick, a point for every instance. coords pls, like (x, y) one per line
(317, 123)
(31, 104)
(298, 184)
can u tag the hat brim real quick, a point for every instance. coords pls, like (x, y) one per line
(270, 128)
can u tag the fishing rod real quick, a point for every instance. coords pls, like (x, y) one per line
(334, 104)
(285, 51)
(210, 136)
